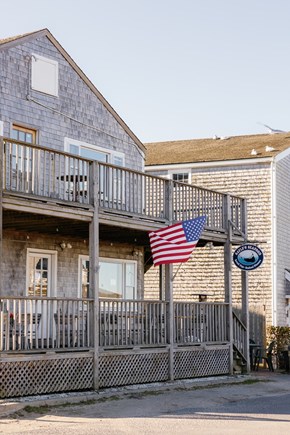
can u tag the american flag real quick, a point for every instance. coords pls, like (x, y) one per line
(174, 244)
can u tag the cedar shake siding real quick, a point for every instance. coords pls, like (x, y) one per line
(77, 112)
(204, 272)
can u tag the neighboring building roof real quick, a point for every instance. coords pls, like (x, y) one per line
(219, 149)
(15, 40)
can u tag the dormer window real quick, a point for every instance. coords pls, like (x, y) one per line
(44, 75)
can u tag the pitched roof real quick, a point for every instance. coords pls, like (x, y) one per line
(208, 150)
(15, 40)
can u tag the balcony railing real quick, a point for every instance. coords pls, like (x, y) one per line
(42, 324)
(201, 322)
(43, 172)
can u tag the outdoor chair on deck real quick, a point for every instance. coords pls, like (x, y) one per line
(264, 356)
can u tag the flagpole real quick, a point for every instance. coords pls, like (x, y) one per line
(180, 264)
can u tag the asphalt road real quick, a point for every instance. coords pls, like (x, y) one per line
(249, 407)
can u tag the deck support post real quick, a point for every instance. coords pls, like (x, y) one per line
(170, 315)
(161, 283)
(228, 273)
(245, 291)
(94, 270)
(168, 271)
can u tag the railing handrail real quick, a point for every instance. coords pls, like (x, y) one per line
(45, 298)
(206, 189)
(200, 303)
(74, 156)
(43, 148)
(239, 321)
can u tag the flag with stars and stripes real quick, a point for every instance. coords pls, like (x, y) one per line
(174, 244)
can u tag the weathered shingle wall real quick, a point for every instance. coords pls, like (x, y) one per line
(204, 273)
(16, 244)
(75, 100)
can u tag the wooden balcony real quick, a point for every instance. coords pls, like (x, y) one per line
(37, 325)
(78, 186)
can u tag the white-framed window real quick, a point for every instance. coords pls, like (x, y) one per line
(93, 152)
(44, 75)
(41, 272)
(104, 155)
(117, 278)
(182, 177)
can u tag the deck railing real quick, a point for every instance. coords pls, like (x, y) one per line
(45, 323)
(201, 322)
(44, 172)
(37, 324)
(190, 201)
(240, 336)
(127, 323)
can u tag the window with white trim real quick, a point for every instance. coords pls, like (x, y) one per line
(93, 152)
(104, 155)
(117, 278)
(44, 75)
(182, 177)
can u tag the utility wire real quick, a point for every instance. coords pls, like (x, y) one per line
(29, 98)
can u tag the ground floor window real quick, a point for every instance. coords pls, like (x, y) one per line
(117, 278)
(41, 273)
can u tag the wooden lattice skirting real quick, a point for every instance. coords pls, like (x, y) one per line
(54, 373)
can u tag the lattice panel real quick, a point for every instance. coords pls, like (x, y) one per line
(126, 369)
(22, 378)
(198, 363)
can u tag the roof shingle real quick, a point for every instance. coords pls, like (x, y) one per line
(207, 150)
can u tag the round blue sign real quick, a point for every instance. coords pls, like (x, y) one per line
(248, 257)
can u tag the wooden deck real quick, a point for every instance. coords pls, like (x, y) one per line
(45, 181)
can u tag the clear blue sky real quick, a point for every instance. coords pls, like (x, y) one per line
(175, 69)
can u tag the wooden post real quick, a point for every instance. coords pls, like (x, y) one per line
(228, 272)
(1, 211)
(168, 271)
(161, 283)
(245, 291)
(170, 315)
(168, 201)
(94, 267)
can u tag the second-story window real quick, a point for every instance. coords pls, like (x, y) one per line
(44, 75)
(182, 177)
(21, 157)
(23, 134)
(93, 152)
(110, 181)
